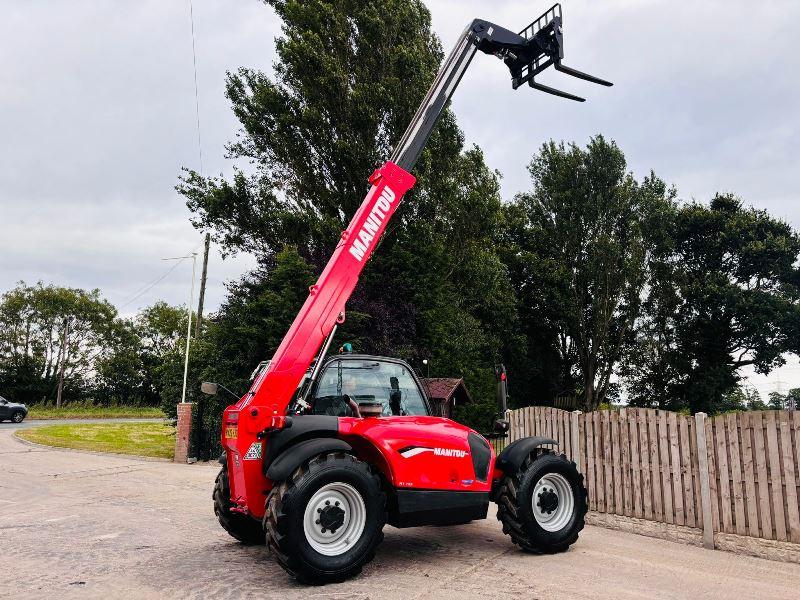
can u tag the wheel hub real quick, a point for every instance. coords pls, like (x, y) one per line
(330, 518)
(548, 500)
(334, 518)
(553, 502)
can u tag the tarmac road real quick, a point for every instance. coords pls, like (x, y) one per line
(81, 525)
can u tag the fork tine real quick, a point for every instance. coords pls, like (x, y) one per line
(559, 66)
(550, 90)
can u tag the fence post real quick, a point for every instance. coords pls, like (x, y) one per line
(705, 487)
(575, 441)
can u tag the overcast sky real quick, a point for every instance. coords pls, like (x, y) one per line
(97, 117)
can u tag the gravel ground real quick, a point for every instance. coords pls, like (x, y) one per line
(80, 525)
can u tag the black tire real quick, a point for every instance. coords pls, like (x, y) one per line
(515, 511)
(18, 417)
(241, 527)
(285, 513)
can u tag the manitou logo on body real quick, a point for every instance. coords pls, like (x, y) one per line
(448, 452)
(370, 228)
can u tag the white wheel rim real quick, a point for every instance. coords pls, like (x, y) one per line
(552, 502)
(344, 507)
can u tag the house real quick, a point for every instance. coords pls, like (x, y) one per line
(445, 393)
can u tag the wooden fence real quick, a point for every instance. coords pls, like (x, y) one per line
(733, 473)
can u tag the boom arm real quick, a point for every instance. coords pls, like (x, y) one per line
(264, 407)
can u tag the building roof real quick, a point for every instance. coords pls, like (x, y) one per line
(444, 388)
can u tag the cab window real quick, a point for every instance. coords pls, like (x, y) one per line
(389, 383)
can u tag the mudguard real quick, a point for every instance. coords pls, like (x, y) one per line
(294, 456)
(510, 460)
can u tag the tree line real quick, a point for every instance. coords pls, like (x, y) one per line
(50, 334)
(592, 283)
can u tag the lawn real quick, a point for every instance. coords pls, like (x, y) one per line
(94, 412)
(141, 439)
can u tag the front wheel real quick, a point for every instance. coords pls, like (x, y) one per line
(325, 522)
(543, 506)
(17, 417)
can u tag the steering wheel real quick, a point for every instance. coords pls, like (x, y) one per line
(337, 406)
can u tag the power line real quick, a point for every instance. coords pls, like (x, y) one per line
(151, 285)
(196, 93)
(142, 291)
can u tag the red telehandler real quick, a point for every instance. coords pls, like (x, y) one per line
(321, 454)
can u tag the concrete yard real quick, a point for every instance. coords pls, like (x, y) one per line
(80, 525)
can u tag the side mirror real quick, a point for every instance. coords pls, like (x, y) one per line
(501, 426)
(209, 388)
(502, 389)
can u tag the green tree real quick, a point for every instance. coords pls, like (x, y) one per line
(777, 401)
(580, 246)
(119, 373)
(754, 401)
(33, 322)
(725, 296)
(741, 398)
(132, 372)
(348, 79)
(161, 328)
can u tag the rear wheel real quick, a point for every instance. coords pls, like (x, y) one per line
(242, 527)
(18, 416)
(324, 523)
(543, 506)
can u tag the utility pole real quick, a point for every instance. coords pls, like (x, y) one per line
(63, 362)
(193, 256)
(188, 330)
(202, 289)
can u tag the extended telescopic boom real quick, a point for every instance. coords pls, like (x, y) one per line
(526, 54)
(263, 408)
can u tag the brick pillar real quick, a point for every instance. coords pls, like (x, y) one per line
(183, 431)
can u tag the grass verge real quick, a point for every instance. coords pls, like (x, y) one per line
(95, 412)
(140, 439)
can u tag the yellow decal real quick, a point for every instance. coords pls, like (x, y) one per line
(230, 433)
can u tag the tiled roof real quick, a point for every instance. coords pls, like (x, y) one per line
(441, 388)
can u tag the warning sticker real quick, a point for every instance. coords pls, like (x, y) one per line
(230, 433)
(254, 452)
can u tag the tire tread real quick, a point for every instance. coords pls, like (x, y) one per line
(240, 527)
(275, 519)
(508, 509)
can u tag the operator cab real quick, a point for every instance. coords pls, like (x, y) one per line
(384, 386)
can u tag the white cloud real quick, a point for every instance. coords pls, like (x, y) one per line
(97, 116)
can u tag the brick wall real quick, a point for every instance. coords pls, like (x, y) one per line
(183, 431)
